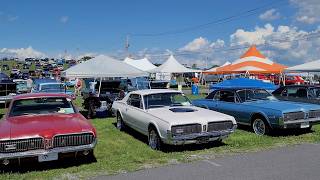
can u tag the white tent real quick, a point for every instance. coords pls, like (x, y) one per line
(142, 64)
(103, 66)
(313, 66)
(172, 66)
(215, 68)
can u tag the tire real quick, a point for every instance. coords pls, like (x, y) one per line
(154, 140)
(120, 123)
(260, 127)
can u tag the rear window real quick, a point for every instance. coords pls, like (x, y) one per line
(38, 106)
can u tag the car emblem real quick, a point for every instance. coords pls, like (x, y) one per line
(10, 147)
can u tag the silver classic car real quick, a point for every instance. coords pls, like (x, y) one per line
(167, 116)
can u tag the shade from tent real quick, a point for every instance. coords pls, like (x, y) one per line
(172, 66)
(103, 66)
(252, 62)
(313, 66)
(215, 68)
(142, 64)
(243, 83)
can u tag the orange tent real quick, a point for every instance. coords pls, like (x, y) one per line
(252, 62)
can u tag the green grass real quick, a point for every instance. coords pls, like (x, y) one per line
(118, 152)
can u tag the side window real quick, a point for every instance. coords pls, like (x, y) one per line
(217, 96)
(292, 92)
(302, 93)
(227, 96)
(135, 101)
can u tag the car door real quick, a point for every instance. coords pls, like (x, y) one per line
(135, 113)
(228, 103)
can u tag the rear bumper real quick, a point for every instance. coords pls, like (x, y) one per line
(199, 138)
(35, 153)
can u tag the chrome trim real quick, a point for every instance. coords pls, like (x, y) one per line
(35, 153)
(302, 121)
(22, 144)
(71, 141)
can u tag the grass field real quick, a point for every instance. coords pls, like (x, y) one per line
(118, 152)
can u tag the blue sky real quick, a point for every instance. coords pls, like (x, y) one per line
(100, 27)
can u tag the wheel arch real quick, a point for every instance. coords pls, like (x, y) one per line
(256, 115)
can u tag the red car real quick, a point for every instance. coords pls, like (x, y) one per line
(44, 126)
(291, 80)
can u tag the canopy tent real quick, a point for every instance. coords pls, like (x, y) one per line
(215, 68)
(142, 64)
(243, 83)
(313, 66)
(172, 66)
(252, 62)
(102, 66)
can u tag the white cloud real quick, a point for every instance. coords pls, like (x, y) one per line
(12, 18)
(270, 15)
(64, 19)
(196, 45)
(308, 11)
(22, 53)
(217, 44)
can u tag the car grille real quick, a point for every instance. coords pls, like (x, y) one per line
(314, 114)
(186, 129)
(73, 140)
(220, 126)
(21, 145)
(293, 116)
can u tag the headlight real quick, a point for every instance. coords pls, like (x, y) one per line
(179, 131)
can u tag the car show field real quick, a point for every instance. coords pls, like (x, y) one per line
(119, 152)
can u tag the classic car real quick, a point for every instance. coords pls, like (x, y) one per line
(44, 126)
(168, 117)
(7, 89)
(260, 110)
(22, 86)
(299, 93)
(51, 86)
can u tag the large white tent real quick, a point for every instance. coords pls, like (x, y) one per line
(313, 66)
(142, 64)
(172, 66)
(102, 66)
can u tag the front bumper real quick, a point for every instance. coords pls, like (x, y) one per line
(297, 123)
(199, 138)
(38, 152)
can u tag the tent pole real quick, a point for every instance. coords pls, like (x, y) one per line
(99, 86)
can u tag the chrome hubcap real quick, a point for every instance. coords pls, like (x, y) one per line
(259, 127)
(119, 123)
(153, 139)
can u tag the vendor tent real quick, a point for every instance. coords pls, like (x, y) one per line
(172, 66)
(252, 62)
(142, 64)
(313, 66)
(243, 83)
(215, 68)
(103, 66)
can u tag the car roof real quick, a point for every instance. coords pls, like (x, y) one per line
(154, 91)
(38, 95)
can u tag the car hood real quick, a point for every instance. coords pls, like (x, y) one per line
(188, 115)
(284, 106)
(43, 125)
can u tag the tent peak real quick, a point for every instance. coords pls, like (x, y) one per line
(253, 51)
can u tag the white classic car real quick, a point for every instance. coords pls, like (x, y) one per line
(167, 116)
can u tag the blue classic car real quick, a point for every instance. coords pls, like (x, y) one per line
(260, 110)
(51, 86)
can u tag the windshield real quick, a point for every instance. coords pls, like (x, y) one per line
(165, 99)
(254, 95)
(45, 87)
(38, 106)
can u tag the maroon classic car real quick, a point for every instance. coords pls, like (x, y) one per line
(44, 126)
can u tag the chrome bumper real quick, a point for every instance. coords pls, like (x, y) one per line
(299, 121)
(199, 138)
(39, 152)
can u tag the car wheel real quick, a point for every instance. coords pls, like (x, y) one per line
(154, 139)
(120, 123)
(260, 127)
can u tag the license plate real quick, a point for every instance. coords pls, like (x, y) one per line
(202, 140)
(304, 125)
(48, 157)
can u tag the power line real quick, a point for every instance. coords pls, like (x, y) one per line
(246, 13)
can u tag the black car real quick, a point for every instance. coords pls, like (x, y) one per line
(299, 93)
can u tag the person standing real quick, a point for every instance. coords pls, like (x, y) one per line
(78, 86)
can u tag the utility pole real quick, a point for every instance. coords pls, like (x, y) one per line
(127, 45)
